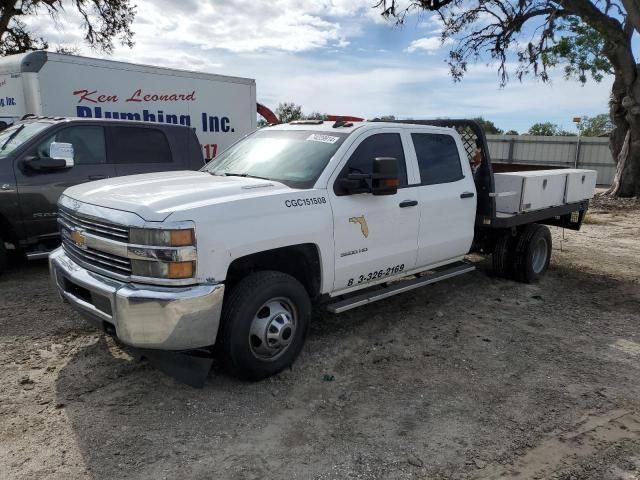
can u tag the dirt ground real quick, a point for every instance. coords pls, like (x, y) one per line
(475, 377)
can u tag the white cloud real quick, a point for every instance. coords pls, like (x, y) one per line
(233, 25)
(312, 53)
(429, 44)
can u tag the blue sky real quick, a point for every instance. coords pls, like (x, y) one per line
(335, 56)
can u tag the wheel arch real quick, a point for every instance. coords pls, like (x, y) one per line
(301, 261)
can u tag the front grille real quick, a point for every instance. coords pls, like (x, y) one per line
(100, 228)
(90, 257)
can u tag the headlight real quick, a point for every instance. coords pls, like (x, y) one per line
(162, 238)
(160, 253)
(172, 270)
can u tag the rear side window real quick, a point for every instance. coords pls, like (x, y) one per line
(379, 145)
(437, 157)
(88, 144)
(139, 145)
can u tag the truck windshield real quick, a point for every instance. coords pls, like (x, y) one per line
(15, 135)
(293, 157)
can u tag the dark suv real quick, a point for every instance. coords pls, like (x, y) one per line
(41, 156)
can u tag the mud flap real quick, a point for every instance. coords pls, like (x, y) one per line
(191, 368)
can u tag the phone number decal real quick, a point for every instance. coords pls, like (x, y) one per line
(371, 276)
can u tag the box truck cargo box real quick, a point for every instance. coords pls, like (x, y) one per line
(221, 109)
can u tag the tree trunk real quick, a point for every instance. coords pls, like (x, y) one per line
(625, 139)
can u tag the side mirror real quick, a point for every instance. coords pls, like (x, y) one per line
(62, 151)
(385, 179)
(60, 157)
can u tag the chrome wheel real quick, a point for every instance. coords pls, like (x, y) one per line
(272, 329)
(539, 255)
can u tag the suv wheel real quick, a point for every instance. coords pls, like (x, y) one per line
(264, 324)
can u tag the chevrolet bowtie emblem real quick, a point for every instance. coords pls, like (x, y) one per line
(78, 238)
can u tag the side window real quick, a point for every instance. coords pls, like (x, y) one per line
(88, 144)
(379, 145)
(437, 157)
(139, 145)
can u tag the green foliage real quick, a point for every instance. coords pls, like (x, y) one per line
(314, 116)
(596, 126)
(488, 126)
(511, 132)
(546, 129)
(288, 112)
(549, 129)
(103, 21)
(538, 34)
(579, 49)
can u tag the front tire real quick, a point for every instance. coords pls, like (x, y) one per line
(264, 324)
(532, 253)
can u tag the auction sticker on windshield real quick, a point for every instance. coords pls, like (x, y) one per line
(316, 137)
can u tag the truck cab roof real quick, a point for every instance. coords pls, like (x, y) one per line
(350, 127)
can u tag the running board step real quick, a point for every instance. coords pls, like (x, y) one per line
(399, 287)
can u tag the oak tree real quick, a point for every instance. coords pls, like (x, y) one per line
(101, 21)
(588, 38)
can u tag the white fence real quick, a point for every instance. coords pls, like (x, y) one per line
(587, 152)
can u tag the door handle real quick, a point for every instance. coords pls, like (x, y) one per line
(97, 177)
(467, 195)
(408, 203)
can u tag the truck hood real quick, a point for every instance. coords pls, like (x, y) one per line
(155, 196)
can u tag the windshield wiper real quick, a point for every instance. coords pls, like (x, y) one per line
(12, 136)
(244, 175)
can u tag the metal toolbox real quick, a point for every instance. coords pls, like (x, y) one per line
(518, 192)
(581, 184)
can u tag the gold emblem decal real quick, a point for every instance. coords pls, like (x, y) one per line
(78, 238)
(364, 228)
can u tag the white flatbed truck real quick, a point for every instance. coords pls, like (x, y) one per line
(341, 213)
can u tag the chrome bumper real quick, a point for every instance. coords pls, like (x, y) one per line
(164, 318)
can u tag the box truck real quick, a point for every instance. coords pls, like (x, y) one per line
(221, 109)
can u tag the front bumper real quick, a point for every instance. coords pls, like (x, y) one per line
(164, 318)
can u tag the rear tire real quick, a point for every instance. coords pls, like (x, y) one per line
(532, 253)
(264, 324)
(502, 257)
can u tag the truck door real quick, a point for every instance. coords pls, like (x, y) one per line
(375, 236)
(39, 191)
(447, 197)
(141, 149)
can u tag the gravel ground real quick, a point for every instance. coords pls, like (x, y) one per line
(475, 377)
